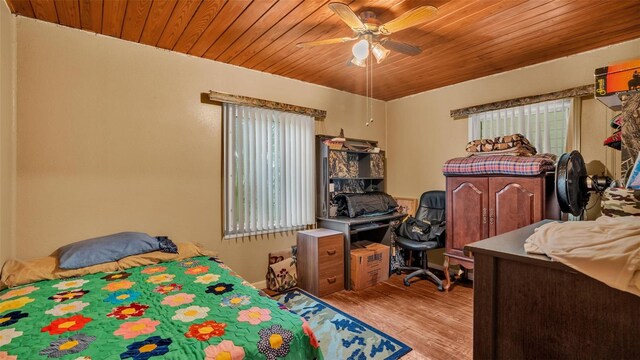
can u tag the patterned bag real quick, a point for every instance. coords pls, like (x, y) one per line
(281, 274)
(397, 254)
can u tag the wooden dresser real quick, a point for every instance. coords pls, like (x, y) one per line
(320, 261)
(482, 206)
(527, 306)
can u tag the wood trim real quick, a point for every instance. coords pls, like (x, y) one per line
(526, 100)
(319, 115)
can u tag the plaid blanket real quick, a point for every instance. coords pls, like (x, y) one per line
(498, 165)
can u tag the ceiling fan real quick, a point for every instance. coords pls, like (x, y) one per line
(372, 36)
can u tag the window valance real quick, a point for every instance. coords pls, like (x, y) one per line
(319, 115)
(526, 100)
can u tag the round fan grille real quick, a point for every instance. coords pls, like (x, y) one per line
(571, 183)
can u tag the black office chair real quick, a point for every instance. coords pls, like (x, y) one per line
(430, 209)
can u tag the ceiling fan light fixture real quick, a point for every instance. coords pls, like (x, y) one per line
(379, 52)
(370, 35)
(359, 62)
(361, 50)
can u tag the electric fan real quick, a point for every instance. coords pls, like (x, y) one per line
(574, 186)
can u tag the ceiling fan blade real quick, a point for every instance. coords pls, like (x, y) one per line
(326, 42)
(347, 15)
(401, 47)
(411, 18)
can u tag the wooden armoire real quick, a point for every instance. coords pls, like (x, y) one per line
(479, 207)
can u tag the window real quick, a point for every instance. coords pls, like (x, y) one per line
(269, 170)
(544, 124)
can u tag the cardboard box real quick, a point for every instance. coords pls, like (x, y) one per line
(369, 264)
(613, 79)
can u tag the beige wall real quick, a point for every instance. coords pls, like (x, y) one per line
(112, 136)
(421, 135)
(7, 134)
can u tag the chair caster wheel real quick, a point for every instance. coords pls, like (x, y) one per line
(406, 283)
(398, 272)
(440, 288)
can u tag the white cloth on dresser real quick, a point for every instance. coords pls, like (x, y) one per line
(607, 249)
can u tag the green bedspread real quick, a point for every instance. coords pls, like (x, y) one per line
(191, 309)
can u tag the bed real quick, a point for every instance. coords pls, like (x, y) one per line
(166, 306)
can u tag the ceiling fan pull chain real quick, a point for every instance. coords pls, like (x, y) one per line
(366, 90)
(371, 94)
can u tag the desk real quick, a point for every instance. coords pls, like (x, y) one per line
(527, 306)
(355, 227)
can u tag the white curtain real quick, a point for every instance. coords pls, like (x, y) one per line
(269, 170)
(544, 124)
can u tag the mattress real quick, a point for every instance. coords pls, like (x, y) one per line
(196, 308)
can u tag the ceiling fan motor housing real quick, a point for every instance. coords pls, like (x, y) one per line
(370, 20)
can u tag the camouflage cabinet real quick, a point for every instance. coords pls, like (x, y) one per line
(353, 166)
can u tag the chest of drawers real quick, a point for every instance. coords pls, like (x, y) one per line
(320, 261)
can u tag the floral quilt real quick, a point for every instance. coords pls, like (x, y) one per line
(191, 309)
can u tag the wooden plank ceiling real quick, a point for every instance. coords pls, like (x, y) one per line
(467, 39)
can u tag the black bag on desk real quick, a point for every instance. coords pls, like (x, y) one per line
(371, 203)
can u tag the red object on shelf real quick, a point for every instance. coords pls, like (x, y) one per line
(614, 141)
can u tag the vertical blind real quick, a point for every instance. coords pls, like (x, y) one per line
(544, 124)
(269, 172)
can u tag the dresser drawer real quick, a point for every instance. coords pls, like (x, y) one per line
(326, 252)
(329, 245)
(331, 261)
(330, 284)
(331, 265)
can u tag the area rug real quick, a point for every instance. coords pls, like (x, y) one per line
(340, 335)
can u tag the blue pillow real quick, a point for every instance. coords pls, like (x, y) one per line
(110, 248)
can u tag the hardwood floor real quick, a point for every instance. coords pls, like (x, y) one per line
(437, 325)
